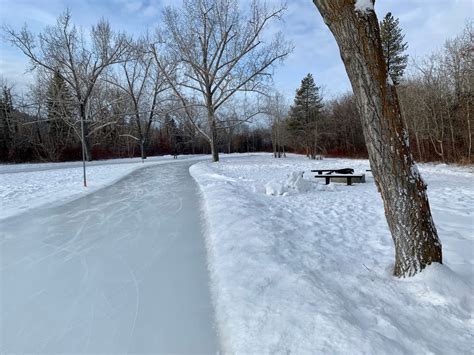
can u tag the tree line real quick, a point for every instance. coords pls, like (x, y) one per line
(198, 83)
(184, 89)
(435, 96)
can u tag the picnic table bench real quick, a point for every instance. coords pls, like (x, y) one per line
(329, 171)
(348, 177)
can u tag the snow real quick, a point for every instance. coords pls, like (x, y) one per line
(364, 6)
(275, 188)
(27, 186)
(389, 80)
(113, 272)
(293, 184)
(310, 271)
(296, 266)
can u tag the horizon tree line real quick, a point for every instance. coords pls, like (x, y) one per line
(127, 101)
(208, 59)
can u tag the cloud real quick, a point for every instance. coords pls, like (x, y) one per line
(15, 71)
(426, 24)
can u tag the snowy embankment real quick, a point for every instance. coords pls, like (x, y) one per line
(27, 186)
(310, 271)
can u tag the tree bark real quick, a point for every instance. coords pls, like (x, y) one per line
(213, 141)
(274, 140)
(468, 119)
(85, 138)
(397, 178)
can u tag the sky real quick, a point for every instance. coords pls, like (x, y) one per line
(427, 24)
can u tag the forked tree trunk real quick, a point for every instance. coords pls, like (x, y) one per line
(397, 178)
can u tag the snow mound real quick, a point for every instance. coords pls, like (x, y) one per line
(294, 183)
(444, 287)
(274, 188)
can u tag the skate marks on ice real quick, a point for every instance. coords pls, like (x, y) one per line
(121, 270)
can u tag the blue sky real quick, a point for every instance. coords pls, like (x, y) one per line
(426, 24)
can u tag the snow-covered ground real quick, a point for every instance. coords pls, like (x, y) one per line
(27, 186)
(310, 272)
(305, 270)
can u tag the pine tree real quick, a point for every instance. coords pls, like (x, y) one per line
(173, 134)
(6, 124)
(60, 110)
(393, 47)
(304, 115)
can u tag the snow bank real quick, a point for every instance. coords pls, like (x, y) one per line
(294, 183)
(311, 273)
(275, 188)
(27, 186)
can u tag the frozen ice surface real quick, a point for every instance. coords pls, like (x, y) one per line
(27, 186)
(122, 270)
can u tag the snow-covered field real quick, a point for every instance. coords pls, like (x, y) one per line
(305, 270)
(310, 272)
(27, 186)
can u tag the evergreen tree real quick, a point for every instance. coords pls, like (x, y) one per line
(304, 115)
(60, 111)
(6, 124)
(173, 135)
(393, 47)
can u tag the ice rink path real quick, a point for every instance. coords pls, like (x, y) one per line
(122, 270)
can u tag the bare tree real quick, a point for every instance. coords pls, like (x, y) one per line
(140, 79)
(221, 52)
(79, 60)
(458, 65)
(356, 30)
(436, 99)
(277, 112)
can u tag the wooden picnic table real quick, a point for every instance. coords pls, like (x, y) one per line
(348, 177)
(329, 171)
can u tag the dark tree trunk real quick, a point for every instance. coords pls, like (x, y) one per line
(85, 138)
(213, 142)
(397, 178)
(274, 142)
(142, 149)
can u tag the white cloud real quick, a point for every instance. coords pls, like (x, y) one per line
(426, 24)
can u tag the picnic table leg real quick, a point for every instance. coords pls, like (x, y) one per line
(328, 180)
(349, 180)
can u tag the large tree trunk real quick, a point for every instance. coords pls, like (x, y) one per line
(274, 141)
(85, 134)
(397, 178)
(213, 141)
(142, 149)
(468, 119)
(142, 134)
